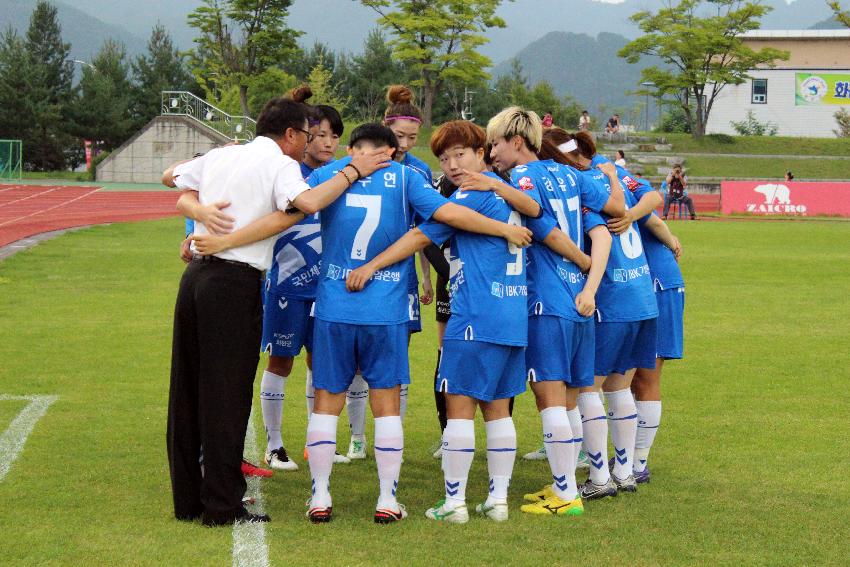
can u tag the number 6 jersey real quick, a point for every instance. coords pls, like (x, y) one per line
(365, 220)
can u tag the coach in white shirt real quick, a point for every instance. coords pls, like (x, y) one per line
(218, 315)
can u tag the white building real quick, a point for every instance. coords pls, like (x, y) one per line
(800, 96)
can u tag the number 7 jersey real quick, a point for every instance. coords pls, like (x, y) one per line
(365, 220)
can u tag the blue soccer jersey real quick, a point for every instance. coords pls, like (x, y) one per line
(422, 169)
(553, 281)
(625, 293)
(297, 257)
(418, 166)
(364, 221)
(488, 278)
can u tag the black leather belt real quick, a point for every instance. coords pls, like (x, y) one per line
(208, 259)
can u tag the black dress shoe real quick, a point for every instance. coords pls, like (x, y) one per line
(242, 517)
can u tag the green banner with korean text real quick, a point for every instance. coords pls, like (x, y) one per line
(822, 88)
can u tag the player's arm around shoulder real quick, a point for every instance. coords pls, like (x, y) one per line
(522, 203)
(413, 241)
(662, 232)
(600, 249)
(464, 218)
(616, 205)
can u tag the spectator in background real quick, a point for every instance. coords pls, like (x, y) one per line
(621, 159)
(789, 176)
(613, 125)
(547, 120)
(676, 192)
(584, 121)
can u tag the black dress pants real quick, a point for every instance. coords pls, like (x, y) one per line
(215, 351)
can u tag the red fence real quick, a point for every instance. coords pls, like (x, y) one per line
(785, 198)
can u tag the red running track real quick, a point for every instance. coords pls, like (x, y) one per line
(27, 210)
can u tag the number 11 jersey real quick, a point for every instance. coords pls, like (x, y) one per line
(365, 220)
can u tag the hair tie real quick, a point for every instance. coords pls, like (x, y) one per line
(568, 147)
(399, 117)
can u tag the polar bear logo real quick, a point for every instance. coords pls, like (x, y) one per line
(774, 193)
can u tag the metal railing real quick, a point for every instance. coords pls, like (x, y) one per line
(11, 159)
(184, 103)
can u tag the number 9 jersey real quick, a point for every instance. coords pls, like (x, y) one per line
(365, 220)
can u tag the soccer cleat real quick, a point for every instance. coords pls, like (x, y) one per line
(387, 516)
(538, 455)
(497, 512)
(320, 515)
(627, 484)
(642, 476)
(591, 491)
(341, 459)
(543, 494)
(457, 515)
(555, 506)
(279, 460)
(356, 449)
(582, 462)
(250, 469)
(437, 450)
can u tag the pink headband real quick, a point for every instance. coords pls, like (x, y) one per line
(394, 118)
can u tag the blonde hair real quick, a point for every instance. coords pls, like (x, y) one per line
(516, 121)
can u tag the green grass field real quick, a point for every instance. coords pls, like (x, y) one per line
(749, 466)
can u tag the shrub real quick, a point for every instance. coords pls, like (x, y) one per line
(843, 119)
(750, 126)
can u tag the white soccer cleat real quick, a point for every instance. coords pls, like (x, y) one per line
(438, 454)
(357, 449)
(497, 512)
(538, 455)
(440, 513)
(279, 460)
(341, 459)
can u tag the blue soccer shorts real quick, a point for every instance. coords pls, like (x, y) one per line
(483, 371)
(287, 325)
(560, 349)
(379, 351)
(621, 346)
(670, 341)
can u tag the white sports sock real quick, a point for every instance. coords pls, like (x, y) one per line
(458, 452)
(558, 439)
(403, 406)
(574, 415)
(649, 418)
(271, 401)
(310, 393)
(622, 418)
(355, 405)
(389, 450)
(321, 443)
(595, 433)
(501, 454)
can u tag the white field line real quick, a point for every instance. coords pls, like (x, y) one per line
(51, 208)
(30, 196)
(13, 439)
(249, 539)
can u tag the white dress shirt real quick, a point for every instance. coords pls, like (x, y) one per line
(256, 178)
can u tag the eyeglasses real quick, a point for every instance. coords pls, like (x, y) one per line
(310, 136)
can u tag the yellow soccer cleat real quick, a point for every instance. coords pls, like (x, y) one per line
(543, 494)
(554, 506)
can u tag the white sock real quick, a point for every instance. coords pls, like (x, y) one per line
(403, 406)
(309, 392)
(558, 438)
(389, 449)
(649, 418)
(271, 402)
(321, 443)
(501, 454)
(355, 406)
(595, 433)
(574, 415)
(458, 451)
(622, 418)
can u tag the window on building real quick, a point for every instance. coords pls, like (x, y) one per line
(759, 91)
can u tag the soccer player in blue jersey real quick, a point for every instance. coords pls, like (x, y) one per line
(290, 291)
(561, 341)
(404, 118)
(483, 357)
(669, 287)
(370, 329)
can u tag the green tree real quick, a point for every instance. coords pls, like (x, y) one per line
(302, 65)
(102, 111)
(162, 68)
(49, 90)
(270, 83)
(700, 42)
(321, 81)
(438, 40)
(365, 77)
(842, 16)
(239, 40)
(15, 78)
